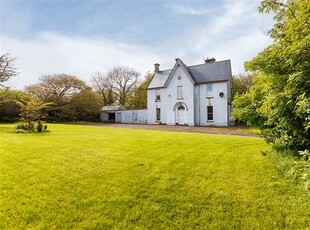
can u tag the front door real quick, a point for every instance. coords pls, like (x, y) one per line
(180, 115)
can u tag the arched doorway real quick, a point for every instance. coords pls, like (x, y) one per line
(180, 115)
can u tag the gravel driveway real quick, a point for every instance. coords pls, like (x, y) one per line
(232, 130)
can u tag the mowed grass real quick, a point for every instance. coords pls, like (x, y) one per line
(79, 177)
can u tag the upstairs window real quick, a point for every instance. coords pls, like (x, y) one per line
(209, 90)
(180, 92)
(157, 98)
(210, 113)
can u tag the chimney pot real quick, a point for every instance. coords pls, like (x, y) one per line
(156, 65)
(208, 60)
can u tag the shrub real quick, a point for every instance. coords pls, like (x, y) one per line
(39, 126)
(7, 119)
(31, 128)
(26, 127)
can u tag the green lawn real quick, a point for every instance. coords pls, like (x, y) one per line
(79, 177)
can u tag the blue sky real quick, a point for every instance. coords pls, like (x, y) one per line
(81, 37)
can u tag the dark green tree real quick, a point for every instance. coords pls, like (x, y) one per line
(9, 108)
(85, 106)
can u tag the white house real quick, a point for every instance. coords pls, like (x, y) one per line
(191, 95)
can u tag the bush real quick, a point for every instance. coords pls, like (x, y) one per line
(7, 119)
(39, 126)
(25, 127)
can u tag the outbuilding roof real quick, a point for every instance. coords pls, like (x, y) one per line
(204, 73)
(112, 108)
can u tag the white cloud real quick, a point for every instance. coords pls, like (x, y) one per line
(51, 53)
(238, 33)
(241, 49)
(189, 10)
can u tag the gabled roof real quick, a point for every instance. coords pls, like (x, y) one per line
(204, 73)
(112, 108)
(179, 62)
(159, 79)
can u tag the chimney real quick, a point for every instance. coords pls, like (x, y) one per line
(156, 69)
(209, 60)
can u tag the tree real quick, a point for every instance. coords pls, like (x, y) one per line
(138, 99)
(9, 109)
(284, 67)
(31, 110)
(247, 104)
(242, 83)
(116, 85)
(7, 70)
(59, 89)
(56, 87)
(85, 106)
(104, 86)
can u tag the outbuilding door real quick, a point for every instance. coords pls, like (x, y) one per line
(180, 116)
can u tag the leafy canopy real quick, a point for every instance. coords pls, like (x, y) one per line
(284, 72)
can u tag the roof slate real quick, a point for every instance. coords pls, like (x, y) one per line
(204, 73)
(160, 79)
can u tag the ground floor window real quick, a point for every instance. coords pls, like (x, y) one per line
(158, 114)
(210, 113)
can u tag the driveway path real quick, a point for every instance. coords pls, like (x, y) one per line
(232, 130)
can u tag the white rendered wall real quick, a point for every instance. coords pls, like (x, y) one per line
(152, 104)
(132, 116)
(220, 104)
(188, 97)
(169, 100)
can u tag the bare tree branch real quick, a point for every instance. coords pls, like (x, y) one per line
(120, 81)
(7, 70)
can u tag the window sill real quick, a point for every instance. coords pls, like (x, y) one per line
(208, 97)
(181, 98)
(210, 121)
(157, 100)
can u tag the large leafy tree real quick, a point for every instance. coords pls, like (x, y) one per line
(59, 89)
(56, 87)
(284, 67)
